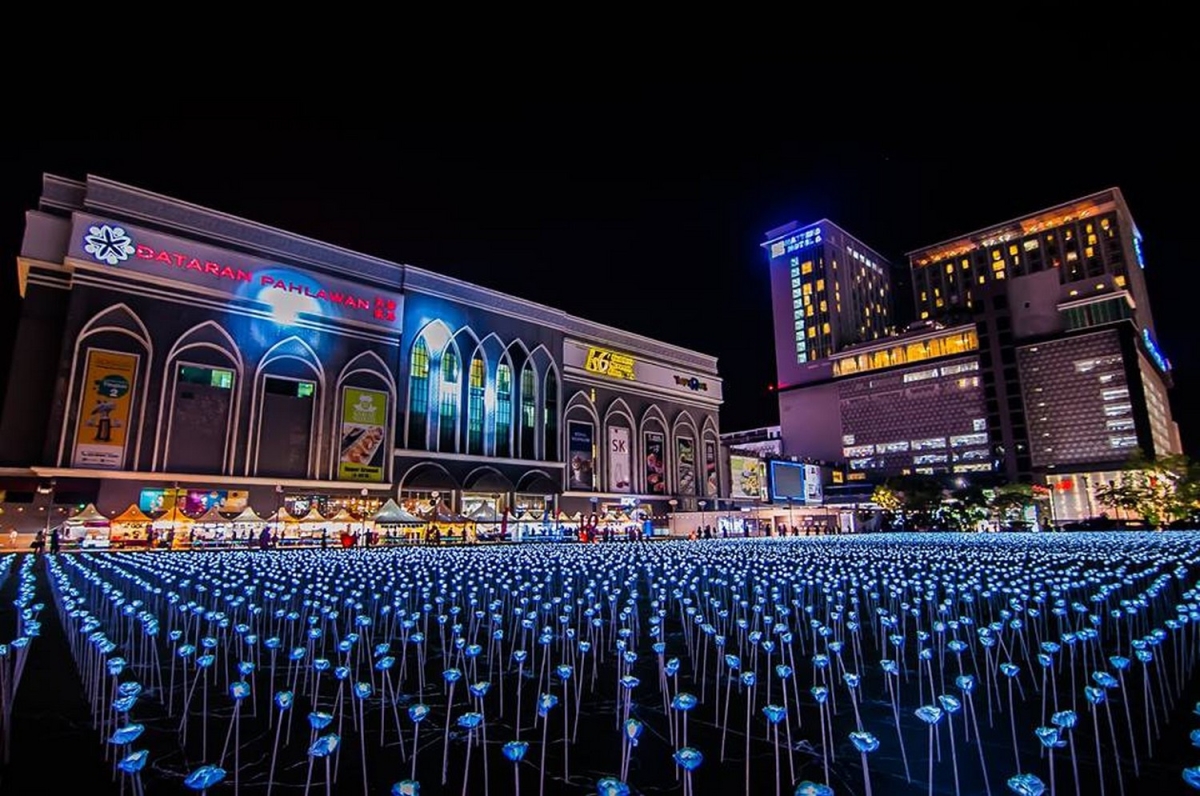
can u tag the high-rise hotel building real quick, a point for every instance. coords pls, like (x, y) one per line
(829, 290)
(1033, 355)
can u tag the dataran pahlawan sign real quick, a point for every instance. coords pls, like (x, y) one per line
(287, 292)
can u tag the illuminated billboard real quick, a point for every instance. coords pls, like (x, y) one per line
(787, 481)
(747, 478)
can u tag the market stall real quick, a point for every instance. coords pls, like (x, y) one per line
(311, 526)
(395, 525)
(447, 526)
(88, 528)
(489, 524)
(213, 528)
(130, 528)
(247, 524)
(174, 529)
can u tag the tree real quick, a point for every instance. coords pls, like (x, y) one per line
(886, 498)
(1157, 490)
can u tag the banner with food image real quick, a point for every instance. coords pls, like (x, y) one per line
(106, 396)
(656, 464)
(620, 468)
(581, 453)
(685, 462)
(710, 468)
(364, 426)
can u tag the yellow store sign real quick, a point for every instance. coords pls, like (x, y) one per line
(609, 363)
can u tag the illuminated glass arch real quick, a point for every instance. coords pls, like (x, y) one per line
(476, 409)
(504, 408)
(449, 394)
(418, 396)
(527, 430)
(550, 399)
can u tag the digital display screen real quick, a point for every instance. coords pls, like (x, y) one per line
(787, 480)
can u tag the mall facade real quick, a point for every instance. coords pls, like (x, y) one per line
(166, 352)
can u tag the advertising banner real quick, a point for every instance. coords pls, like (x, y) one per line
(711, 486)
(685, 463)
(620, 466)
(287, 292)
(192, 501)
(364, 426)
(105, 401)
(656, 464)
(581, 453)
(747, 478)
(813, 492)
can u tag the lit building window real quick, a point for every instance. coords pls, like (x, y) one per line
(418, 395)
(806, 267)
(475, 407)
(825, 328)
(528, 412)
(448, 402)
(550, 417)
(503, 410)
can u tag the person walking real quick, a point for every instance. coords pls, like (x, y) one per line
(12, 537)
(39, 542)
(54, 541)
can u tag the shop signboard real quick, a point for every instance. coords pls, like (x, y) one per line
(106, 397)
(747, 477)
(620, 467)
(685, 462)
(581, 454)
(192, 501)
(287, 292)
(711, 486)
(364, 427)
(656, 465)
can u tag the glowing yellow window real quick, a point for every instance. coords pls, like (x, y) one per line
(1091, 239)
(824, 306)
(807, 301)
(1119, 280)
(999, 274)
(820, 284)
(1067, 234)
(998, 266)
(808, 311)
(1089, 251)
(812, 331)
(1012, 249)
(949, 268)
(866, 312)
(937, 291)
(965, 265)
(825, 328)
(924, 296)
(806, 267)
(924, 315)
(1104, 223)
(1089, 228)
(995, 254)
(940, 303)
(807, 288)
(981, 280)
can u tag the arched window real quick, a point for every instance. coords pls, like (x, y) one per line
(528, 412)
(418, 395)
(504, 410)
(550, 417)
(448, 402)
(475, 407)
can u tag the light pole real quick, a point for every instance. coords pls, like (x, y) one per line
(702, 504)
(672, 503)
(278, 505)
(363, 514)
(48, 490)
(791, 518)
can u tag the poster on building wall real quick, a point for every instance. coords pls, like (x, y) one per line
(814, 493)
(656, 464)
(620, 467)
(685, 461)
(581, 453)
(711, 487)
(106, 397)
(747, 478)
(364, 426)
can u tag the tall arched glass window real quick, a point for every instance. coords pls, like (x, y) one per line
(448, 402)
(528, 412)
(550, 417)
(475, 407)
(504, 410)
(418, 395)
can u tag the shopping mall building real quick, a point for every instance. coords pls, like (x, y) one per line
(166, 352)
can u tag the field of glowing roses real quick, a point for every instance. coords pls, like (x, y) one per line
(892, 664)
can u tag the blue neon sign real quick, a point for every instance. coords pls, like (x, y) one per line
(1137, 250)
(1161, 362)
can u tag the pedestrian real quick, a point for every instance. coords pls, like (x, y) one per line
(12, 537)
(39, 542)
(54, 541)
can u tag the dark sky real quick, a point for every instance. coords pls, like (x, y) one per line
(646, 212)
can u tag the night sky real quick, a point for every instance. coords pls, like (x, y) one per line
(647, 213)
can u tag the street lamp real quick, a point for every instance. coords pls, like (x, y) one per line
(702, 504)
(672, 503)
(278, 505)
(48, 490)
(363, 513)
